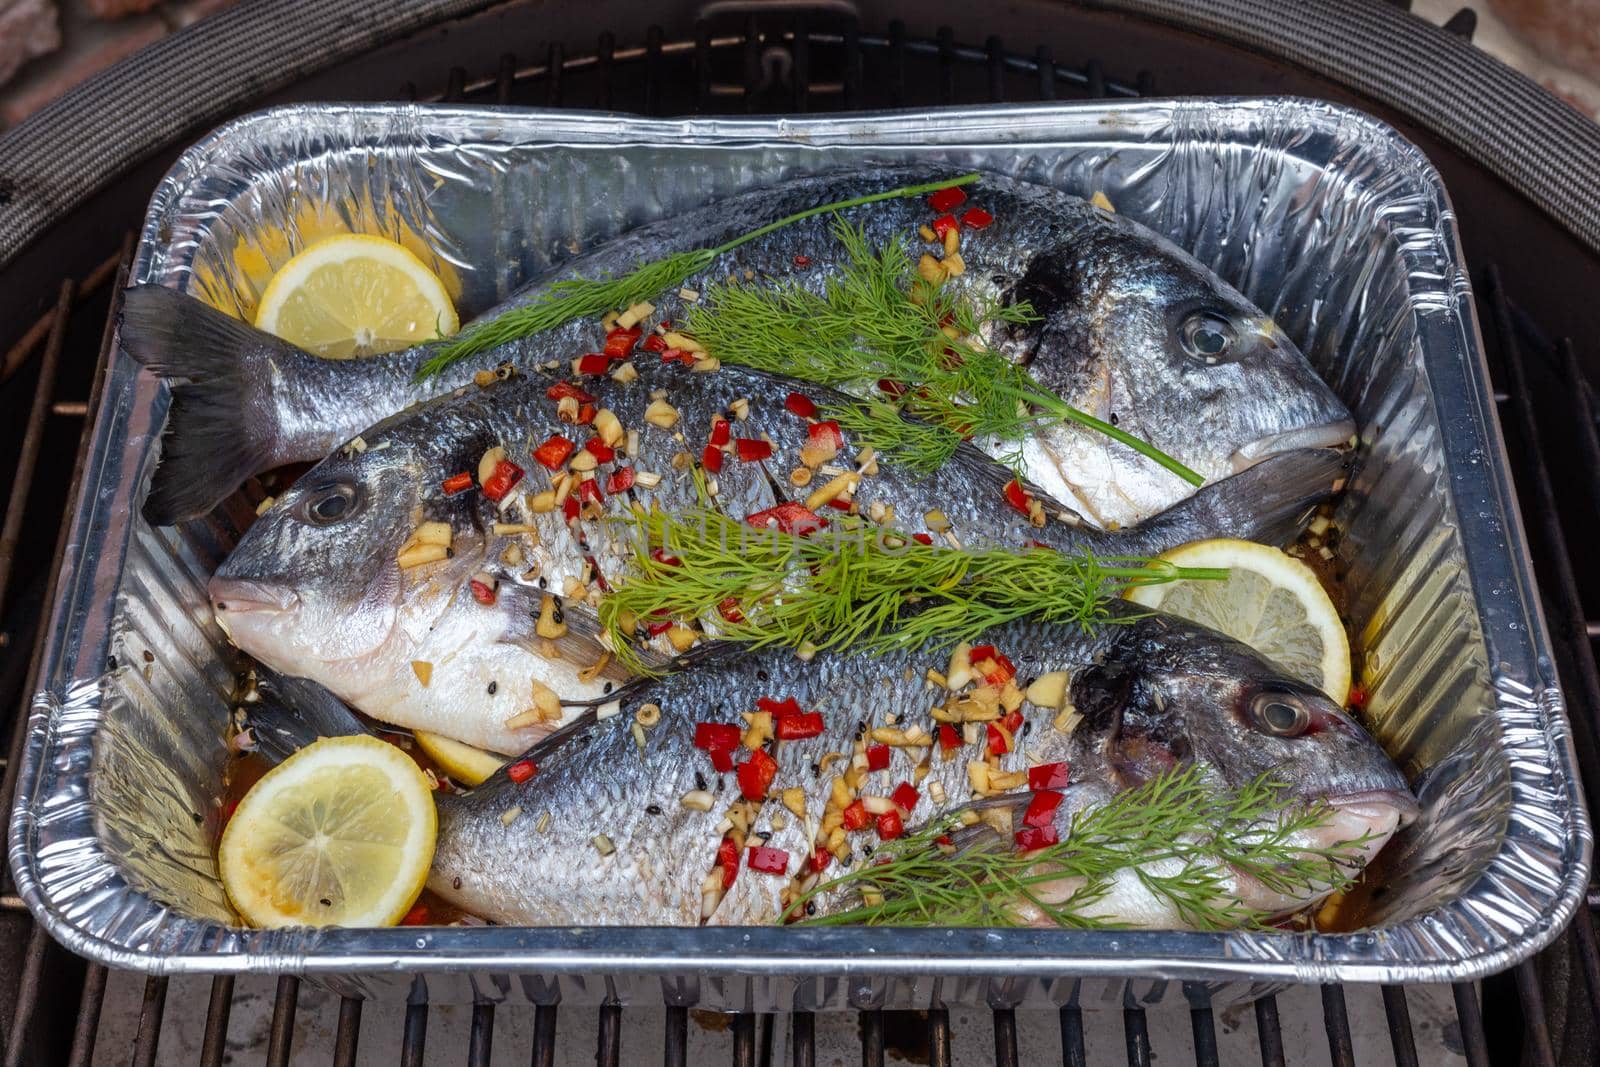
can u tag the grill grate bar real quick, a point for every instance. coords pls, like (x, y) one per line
(414, 1035)
(1072, 1037)
(281, 1037)
(544, 1036)
(1536, 1028)
(608, 1052)
(872, 1038)
(89, 1003)
(1474, 1046)
(1005, 1037)
(939, 1037)
(348, 1037)
(215, 1043)
(1204, 1026)
(1399, 1016)
(1336, 1020)
(151, 1013)
(480, 1041)
(803, 1039)
(1583, 924)
(744, 1039)
(1270, 1034)
(1136, 1034)
(676, 1041)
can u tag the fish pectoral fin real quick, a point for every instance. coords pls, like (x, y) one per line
(582, 641)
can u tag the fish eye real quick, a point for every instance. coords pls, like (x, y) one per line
(329, 504)
(1279, 714)
(1206, 336)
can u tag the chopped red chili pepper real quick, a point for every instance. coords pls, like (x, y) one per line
(589, 492)
(976, 218)
(855, 816)
(752, 449)
(1358, 697)
(945, 223)
(1036, 837)
(654, 343)
(656, 629)
(562, 390)
(756, 774)
(1042, 809)
(505, 477)
(602, 452)
(660, 556)
(481, 591)
(779, 708)
(841, 503)
(800, 404)
(620, 342)
(789, 517)
(417, 916)
(711, 459)
(945, 199)
(586, 414)
(720, 431)
(1017, 496)
(456, 483)
(768, 860)
(877, 757)
(802, 261)
(729, 609)
(825, 433)
(722, 760)
(678, 355)
(890, 826)
(890, 387)
(728, 860)
(554, 452)
(593, 363)
(1048, 776)
(922, 538)
(820, 858)
(1012, 721)
(621, 481)
(998, 746)
(905, 796)
(1003, 670)
(521, 770)
(569, 508)
(795, 727)
(949, 737)
(712, 736)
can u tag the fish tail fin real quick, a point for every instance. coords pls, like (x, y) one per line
(214, 437)
(293, 712)
(1268, 502)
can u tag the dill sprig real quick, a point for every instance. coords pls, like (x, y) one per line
(849, 586)
(1176, 817)
(876, 319)
(576, 298)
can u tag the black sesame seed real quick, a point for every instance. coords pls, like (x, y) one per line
(866, 850)
(1113, 418)
(325, 902)
(111, 661)
(543, 583)
(653, 809)
(699, 781)
(816, 770)
(455, 883)
(196, 817)
(761, 676)
(494, 687)
(149, 657)
(1026, 726)
(606, 688)
(811, 907)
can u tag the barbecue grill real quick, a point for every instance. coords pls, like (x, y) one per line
(73, 183)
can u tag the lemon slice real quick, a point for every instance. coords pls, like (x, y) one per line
(467, 765)
(356, 295)
(1270, 600)
(339, 834)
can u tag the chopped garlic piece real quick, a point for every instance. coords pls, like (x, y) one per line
(509, 816)
(635, 314)
(1049, 690)
(266, 502)
(697, 800)
(608, 426)
(433, 533)
(415, 555)
(647, 479)
(602, 844)
(625, 373)
(691, 295)
(423, 670)
(1101, 201)
(682, 343)
(662, 414)
(548, 626)
(488, 462)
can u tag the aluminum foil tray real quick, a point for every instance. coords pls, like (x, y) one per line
(1322, 215)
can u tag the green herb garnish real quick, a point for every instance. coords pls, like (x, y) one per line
(576, 298)
(849, 586)
(877, 320)
(1178, 816)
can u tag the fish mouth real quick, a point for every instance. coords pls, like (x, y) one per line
(1377, 806)
(1335, 434)
(235, 596)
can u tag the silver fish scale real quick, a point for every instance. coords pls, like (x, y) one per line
(513, 873)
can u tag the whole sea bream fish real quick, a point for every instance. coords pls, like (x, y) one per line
(1130, 329)
(623, 823)
(440, 571)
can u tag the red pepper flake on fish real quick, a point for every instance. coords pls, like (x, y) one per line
(456, 483)
(522, 770)
(946, 199)
(620, 342)
(877, 757)
(1042, 809)
(554, 452)
(768, 860)
(976, 218)
(1036, 837)
(789, 517)
(800, 404)
(752, 449)
(1048, 776)
(505, 477)
(728, 860)
(756, 775)
(565, 390)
